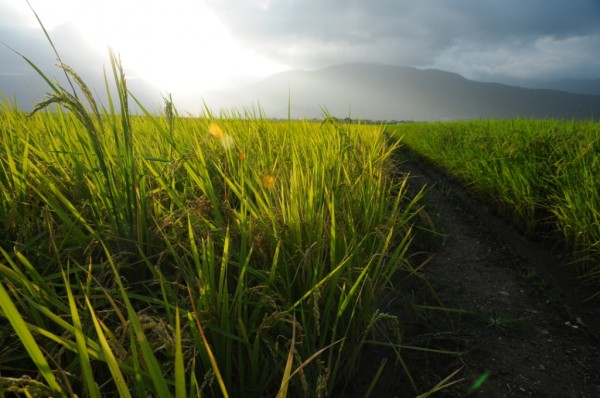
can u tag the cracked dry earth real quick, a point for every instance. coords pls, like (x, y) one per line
(519, 314)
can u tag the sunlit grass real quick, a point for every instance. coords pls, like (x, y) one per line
(221, 255)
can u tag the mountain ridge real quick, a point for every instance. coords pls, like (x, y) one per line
(387, 92)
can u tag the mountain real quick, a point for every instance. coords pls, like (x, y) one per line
(27, 89)
(380, 92)
(579, 86)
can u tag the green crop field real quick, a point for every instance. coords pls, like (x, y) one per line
(232, 255)
(162, 255)
(541, 175)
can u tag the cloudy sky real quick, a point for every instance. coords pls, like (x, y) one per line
(186, 47)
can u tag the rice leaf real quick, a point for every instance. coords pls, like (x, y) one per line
(111, 361)
(82, 350)
(35, 353)
(179, 366)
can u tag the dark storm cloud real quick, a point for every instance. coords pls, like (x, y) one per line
(480, 39)
(477, 38)
(349, 20)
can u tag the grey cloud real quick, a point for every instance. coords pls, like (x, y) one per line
(27, 42)
(481, 39)
(315, 33)
(19, 81)
(547, 57)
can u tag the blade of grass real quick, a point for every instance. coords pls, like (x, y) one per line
(445, 383)
(152, 365)
(209, 352)
(51, 44)
(288, 364)
(111, 361)
(376, 379)
(306, 362)
(35, 353)
(179, 367)
(82, 350)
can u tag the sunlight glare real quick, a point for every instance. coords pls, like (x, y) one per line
(180, 46)
(176, 45)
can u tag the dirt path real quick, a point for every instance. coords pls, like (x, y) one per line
(521, 319)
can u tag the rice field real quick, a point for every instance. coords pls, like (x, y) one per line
(541, 175)
(232, 255)
(215, 255)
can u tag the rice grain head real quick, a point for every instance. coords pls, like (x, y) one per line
(268, 181)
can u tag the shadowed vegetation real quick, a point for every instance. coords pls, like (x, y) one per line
(541, 175)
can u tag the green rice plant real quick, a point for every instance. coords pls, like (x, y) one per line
(213, 255)
(265, 248)
(10, 311)
(576, 201)
(541, 175)
(114, 177)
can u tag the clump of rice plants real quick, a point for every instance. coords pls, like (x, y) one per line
(542, 175)
(160, 255)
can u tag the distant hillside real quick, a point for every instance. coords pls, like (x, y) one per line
(579, 86)
(28, 88)
(381, 92)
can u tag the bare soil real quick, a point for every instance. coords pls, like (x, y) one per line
(519, 321)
